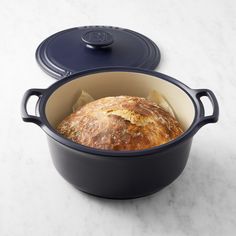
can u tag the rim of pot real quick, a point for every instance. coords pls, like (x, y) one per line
(101, 152)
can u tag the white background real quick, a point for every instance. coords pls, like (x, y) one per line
(198, 44)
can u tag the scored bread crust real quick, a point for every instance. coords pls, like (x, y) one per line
(120, 123)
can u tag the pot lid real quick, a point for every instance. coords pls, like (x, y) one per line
(81, 48)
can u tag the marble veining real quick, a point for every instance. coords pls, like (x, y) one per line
(197, 41)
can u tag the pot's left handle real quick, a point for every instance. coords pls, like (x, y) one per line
(24, 113)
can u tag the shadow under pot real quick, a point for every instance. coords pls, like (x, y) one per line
(119, 174)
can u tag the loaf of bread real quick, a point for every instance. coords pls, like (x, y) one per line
(120, 123)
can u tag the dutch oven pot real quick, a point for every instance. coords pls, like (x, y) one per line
(119, 174)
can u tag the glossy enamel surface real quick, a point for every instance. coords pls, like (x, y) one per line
(119, 174)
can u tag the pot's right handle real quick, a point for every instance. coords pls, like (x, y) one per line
(24, 113)
(203, 120)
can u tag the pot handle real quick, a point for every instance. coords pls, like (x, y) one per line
(24, 113)
(203, 120)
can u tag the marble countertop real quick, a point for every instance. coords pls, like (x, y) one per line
(197, 41)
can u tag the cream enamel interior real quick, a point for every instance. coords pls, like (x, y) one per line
(104, 84)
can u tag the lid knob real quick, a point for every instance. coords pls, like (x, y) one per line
(97, 38)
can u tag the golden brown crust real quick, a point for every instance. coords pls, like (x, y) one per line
(120, 123)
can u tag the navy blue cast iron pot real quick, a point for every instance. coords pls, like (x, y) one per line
(119, 174)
